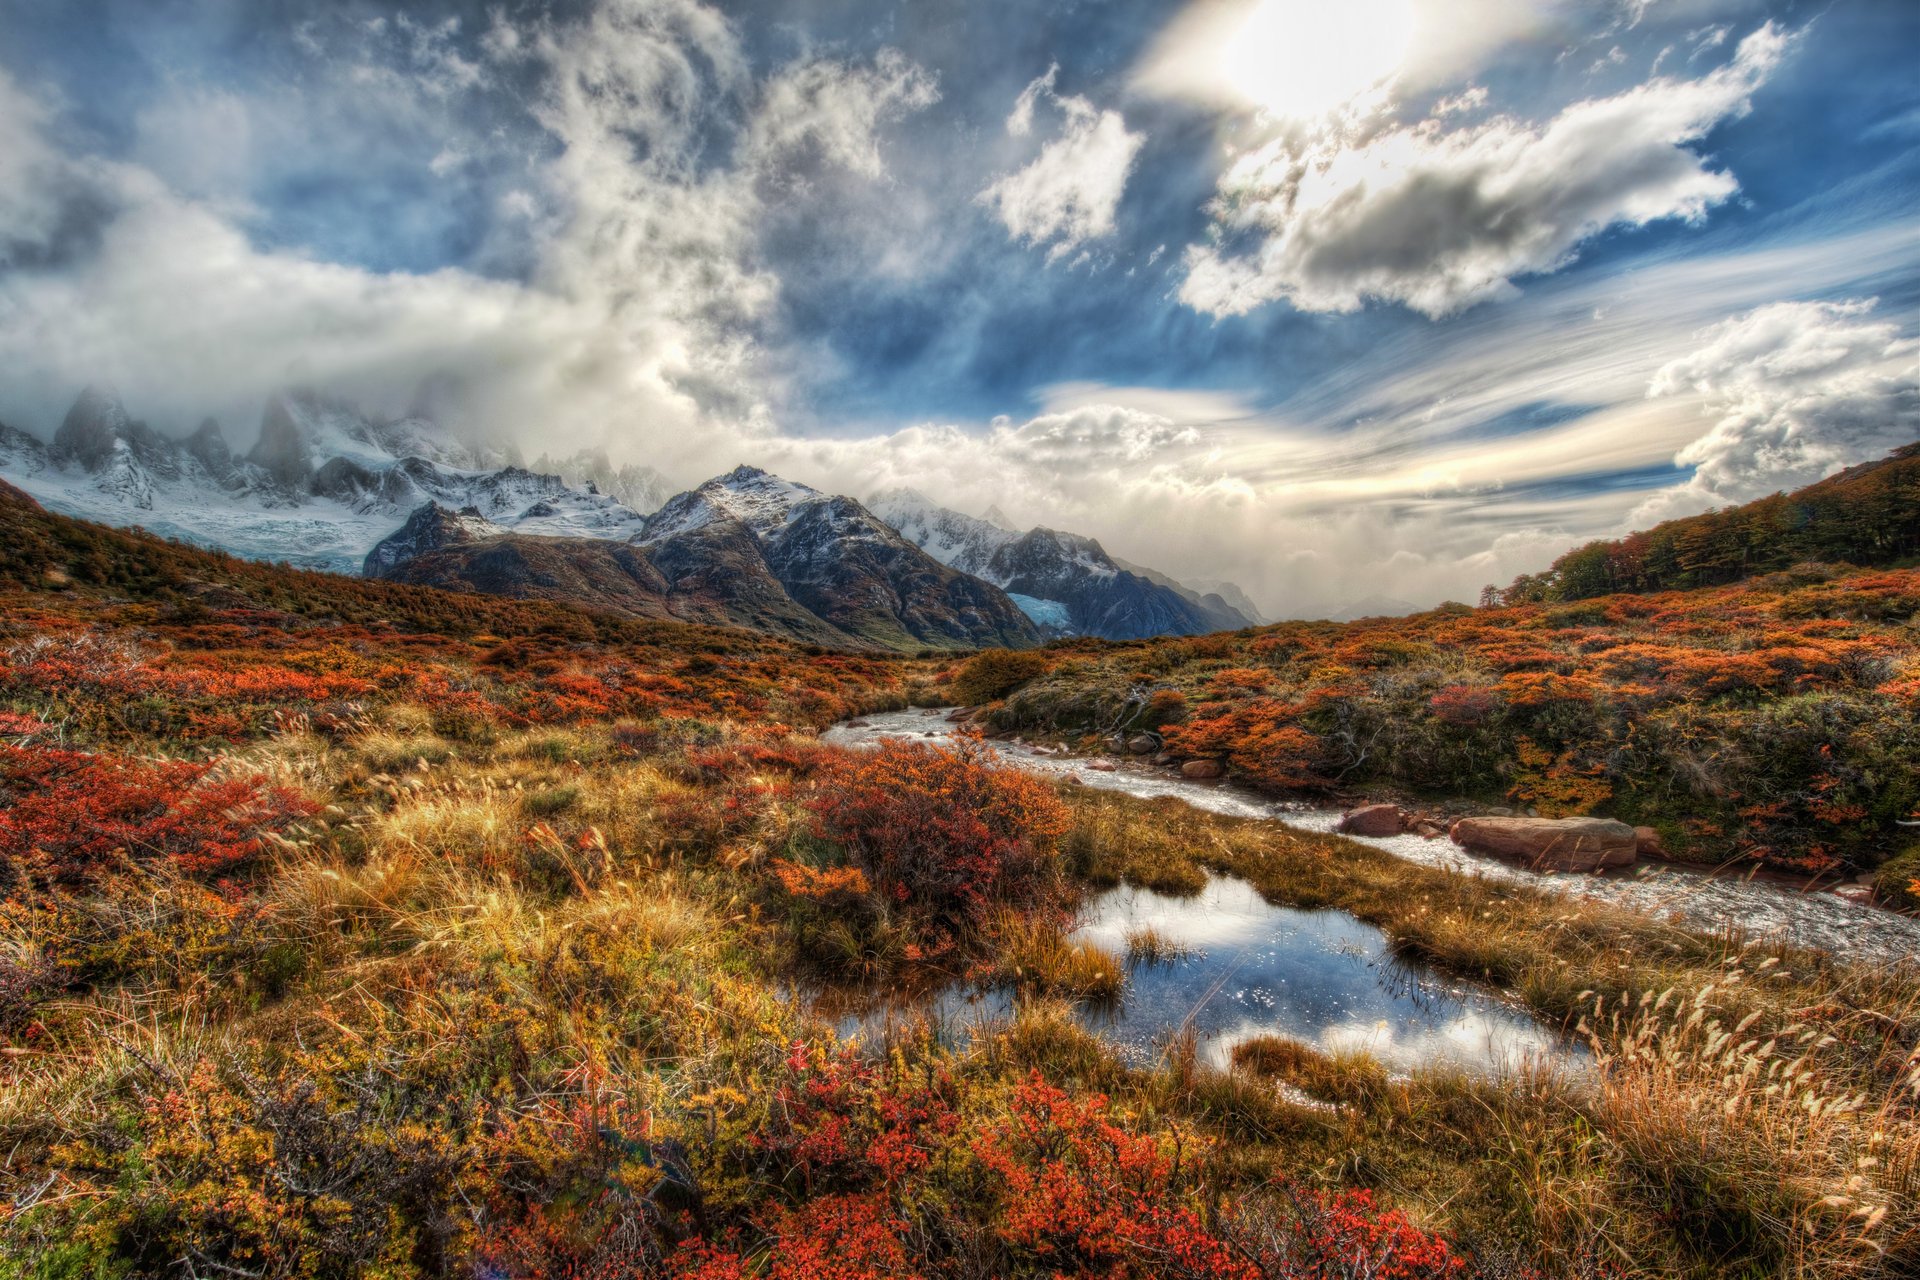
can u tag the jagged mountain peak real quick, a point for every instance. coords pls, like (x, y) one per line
(758, 499)
(94, 427)
(998, 519)
(1066, 582)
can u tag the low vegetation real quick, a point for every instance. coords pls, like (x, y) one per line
(1771, 722)
(475, 941)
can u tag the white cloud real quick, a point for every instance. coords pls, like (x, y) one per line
(1797, 391)
(1311, 57)
(836, 110)
(1439, 220)
(1069, 193)
(635, 327)
(35, 184)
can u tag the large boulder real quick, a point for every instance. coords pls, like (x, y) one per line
(1374, 820)
(1203, 769)
(1551, 844)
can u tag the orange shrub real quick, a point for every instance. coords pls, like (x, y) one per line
(943, 831)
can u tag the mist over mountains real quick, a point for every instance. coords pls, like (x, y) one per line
(328, 486)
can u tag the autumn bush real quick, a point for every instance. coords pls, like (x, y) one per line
(355, 930)
(995, 673)
(1745, 719)
(944, 833)
(68, 815)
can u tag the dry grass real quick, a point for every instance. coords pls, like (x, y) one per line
(1752, 1111)
(1146, 945)
(1036, 958)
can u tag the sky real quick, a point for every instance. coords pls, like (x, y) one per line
(1384, 297)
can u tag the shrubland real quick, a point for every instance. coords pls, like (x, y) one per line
(350, 930)
(1773, 721)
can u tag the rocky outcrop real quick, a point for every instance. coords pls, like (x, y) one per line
(828, 557)
(429, 528)
(1551, 844)
(1203, 769)
(1376, 820)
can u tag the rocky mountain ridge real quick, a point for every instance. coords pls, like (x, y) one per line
(1067, 583)
(323, 483)
(746, 549)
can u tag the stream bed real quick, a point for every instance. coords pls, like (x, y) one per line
(1757, 907)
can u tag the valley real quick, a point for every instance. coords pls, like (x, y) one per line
(353, 918)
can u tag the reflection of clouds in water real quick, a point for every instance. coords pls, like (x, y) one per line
(1472, 1037)
(1759, 909)
(1475, 1040)
(1227, 913)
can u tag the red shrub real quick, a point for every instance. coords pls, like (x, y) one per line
(70, 811)
(944, 831)
(830, 1238)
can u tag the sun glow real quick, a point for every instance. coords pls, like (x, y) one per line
(1304, 57)
(1292, 58)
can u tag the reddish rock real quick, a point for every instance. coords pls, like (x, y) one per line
(1428, 828)
(1374, 820)
(1203, 769)
(1646, 842)
(1551, 844)
(1103, 766)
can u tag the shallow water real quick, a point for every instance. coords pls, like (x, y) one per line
(1250, 968)
(1758, 908)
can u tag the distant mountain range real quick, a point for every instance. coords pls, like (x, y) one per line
(746, 549)
(326, 485)
(323, 484)
(1066, 582)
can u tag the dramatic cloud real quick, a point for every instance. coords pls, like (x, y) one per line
(1068, 194)
(1439, 219)
(1797, 391)
(636, 317)
(770, 236)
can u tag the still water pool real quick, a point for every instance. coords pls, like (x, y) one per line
(1245, 968)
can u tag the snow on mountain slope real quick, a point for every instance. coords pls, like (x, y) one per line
(639, 488)
(324, 484)
(834, 559)
(1065, 582)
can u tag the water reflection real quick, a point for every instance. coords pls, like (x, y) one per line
(1711, 903)
(1320, 977)
(1248, 968)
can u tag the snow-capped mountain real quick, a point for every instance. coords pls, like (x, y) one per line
(745, 549)
(1066, 583)
(638, 487)
(322, 486)
(835, 559)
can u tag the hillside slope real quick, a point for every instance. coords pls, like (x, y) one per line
(1865, 515)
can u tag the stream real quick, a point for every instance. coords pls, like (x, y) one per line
(1700, 900)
